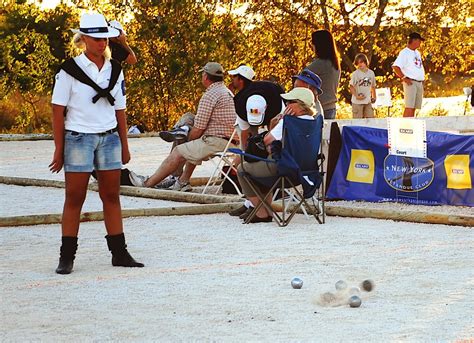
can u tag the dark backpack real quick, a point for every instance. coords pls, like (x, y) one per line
(124, 177)
(256, 147)
(269, 91)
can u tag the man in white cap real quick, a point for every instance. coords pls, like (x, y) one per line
(213, 127)
(241, 77)
(119, 47)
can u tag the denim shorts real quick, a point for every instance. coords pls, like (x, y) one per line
(84, 152)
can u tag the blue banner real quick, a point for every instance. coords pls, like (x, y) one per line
(365, 170)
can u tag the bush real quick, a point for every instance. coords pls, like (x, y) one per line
(438, 111)
(17, 115)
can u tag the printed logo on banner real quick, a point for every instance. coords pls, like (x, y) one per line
(361, 167)
(408, 174)
(457, 171)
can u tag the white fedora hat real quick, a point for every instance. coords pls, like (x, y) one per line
(95, 25)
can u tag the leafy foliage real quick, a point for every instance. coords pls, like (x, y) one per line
(174, 38)
(32, 44)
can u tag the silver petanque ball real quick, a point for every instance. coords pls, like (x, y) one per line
(296, 283)
(354, 301)
(340, 285)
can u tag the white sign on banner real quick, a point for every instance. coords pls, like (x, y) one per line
(384, 97)
(407, 137)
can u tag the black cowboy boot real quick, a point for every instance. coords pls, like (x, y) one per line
(120, 255)
(67, 255)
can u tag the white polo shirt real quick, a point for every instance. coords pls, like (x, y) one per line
(82, 114)
(409, 61)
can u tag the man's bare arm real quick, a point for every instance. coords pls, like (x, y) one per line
(195, 134)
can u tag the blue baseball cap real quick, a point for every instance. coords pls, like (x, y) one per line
(310, 78)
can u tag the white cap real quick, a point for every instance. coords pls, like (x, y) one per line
(244, 71)
(256, 107)
(300, 93)
(94, 25)
(116, 25)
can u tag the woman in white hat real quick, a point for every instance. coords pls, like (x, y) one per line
(303, 104)
(90, 132)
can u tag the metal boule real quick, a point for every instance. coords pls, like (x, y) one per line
(340, 285)
(296, 283)
(354, 301)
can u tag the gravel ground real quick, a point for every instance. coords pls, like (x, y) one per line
(210, 278)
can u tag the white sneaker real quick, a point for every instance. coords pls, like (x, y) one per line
(181, 187)
(137, 180)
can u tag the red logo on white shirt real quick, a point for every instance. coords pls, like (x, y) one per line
(418, 62)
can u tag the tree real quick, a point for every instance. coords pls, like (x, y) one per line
(26, 61)
(376, 27)
(172, 40)
(32, 44)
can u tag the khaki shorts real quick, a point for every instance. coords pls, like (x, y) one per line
(256, 169)
(362, 111)
(201, 149)
(413, 94)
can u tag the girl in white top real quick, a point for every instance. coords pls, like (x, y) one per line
(90, 132)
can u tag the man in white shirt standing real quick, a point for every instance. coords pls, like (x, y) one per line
(409, 68)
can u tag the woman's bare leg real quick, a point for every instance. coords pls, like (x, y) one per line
(109, 191)
(76, 190)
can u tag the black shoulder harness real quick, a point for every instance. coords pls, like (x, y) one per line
(70, 66)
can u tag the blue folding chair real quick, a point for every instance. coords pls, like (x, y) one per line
(299, 162)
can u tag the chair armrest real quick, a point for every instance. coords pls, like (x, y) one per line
(243, 153)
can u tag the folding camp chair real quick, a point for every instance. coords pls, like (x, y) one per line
(223, 167)
(384, 99)
(297, 165)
